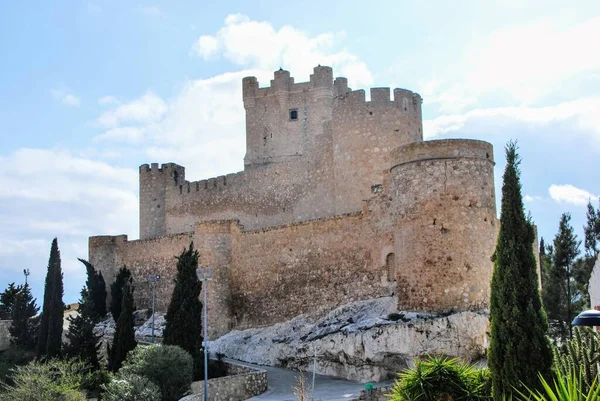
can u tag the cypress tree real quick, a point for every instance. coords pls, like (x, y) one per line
(51, 323)
(124, 340)
(96, 288)
(183, 319)
(23, 329)
(116, 291)
(519, 348)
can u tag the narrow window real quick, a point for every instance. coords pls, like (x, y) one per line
(390, 264)
(293, 114)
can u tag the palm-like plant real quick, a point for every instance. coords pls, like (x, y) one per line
(441, 378)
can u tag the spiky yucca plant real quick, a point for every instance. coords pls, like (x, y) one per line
(568, 387)
(579, 355)
(441, 378)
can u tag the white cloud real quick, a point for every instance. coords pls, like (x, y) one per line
(147, 108)
(65, 97)
(108, 100)
(526, 63)
(255, 44)
(205, 46)
(584, 112)
(570, 194)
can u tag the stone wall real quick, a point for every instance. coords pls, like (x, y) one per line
(4, 334)
(309, 267)
(427, 235)
(376, 394)
(240, 384)
(364, 135)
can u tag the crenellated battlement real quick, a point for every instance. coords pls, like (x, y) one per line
(321, 78)
(211, 184)
(403, 99)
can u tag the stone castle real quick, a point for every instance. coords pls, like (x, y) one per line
(340, 200)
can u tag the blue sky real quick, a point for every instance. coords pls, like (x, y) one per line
(89, 90)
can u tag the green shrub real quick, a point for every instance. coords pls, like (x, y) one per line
(569, 387)
(11, 358)
(168, 366)
(440, 378)
(131, 388)
(46, 381)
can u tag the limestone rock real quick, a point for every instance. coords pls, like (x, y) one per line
(362, 341)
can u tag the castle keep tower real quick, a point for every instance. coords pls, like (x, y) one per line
(283, 120)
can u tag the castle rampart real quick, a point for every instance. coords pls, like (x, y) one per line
(340, 200)
(443, 203)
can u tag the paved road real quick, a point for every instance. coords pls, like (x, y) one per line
(327, 388)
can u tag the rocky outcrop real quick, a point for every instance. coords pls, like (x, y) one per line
(362, 341)
(142, 321)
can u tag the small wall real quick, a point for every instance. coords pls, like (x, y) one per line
(377, 394)
(4, 334)
(241, 383)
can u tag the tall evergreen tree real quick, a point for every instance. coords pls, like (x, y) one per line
(566, 249)
(24, 326)
(519, 349)
(51, 323)
(561, 294)
(592, 231)
(96, 288)
(124, 339)
(116, 291)
(83, 342)
(183, 319)
(7, 300)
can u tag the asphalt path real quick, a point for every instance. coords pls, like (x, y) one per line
(282, 381)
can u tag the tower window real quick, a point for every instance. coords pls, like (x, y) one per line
(293, 114)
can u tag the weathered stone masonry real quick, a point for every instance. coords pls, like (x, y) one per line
(340, 200)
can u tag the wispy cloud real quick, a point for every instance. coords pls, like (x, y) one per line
(147, 108)
(65, 97)
(583, 111)
(108, 100)
(522, 63)
(570, 194)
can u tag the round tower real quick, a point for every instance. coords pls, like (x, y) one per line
(443, 202)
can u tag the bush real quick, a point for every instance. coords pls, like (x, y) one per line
(439, 378)
(47, 381)
(131, 388)
(11, 358)
(168, 366)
